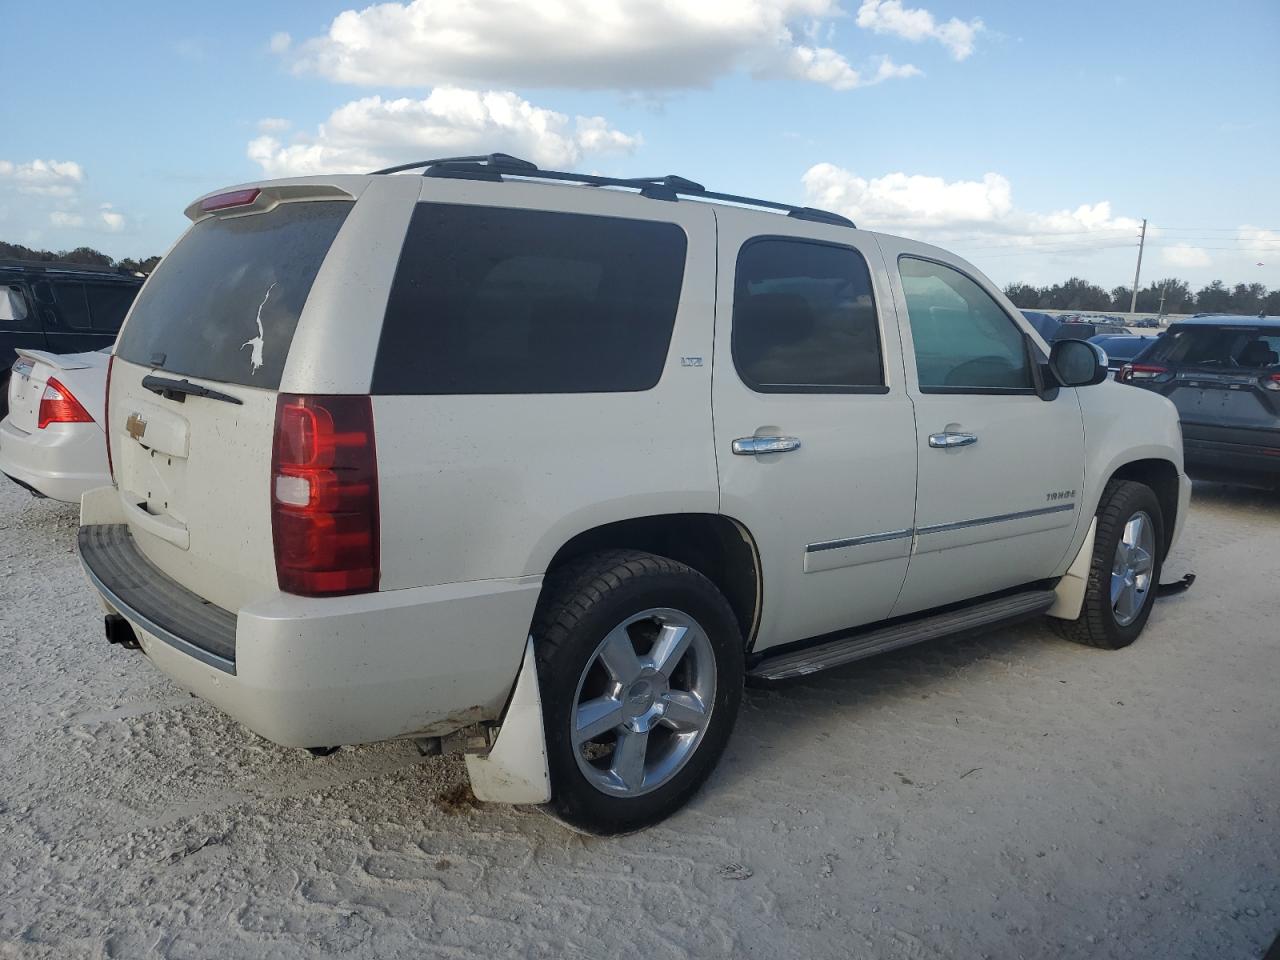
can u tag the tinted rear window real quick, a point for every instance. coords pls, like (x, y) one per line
(804, 318)
(223, 305)
(108, 304)
(1222, 347)
(496, 300)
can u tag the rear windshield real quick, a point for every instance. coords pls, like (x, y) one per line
(224, 303)
(495, 300)
(1225, 347)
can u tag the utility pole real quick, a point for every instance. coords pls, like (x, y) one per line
(1142, 240)
(1160, 312)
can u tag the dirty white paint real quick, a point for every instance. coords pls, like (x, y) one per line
(257, 343)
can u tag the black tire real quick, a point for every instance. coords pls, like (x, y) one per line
(581, 603)
(1097, 625)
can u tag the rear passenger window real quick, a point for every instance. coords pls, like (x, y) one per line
(13, 307)
(108, 303)
(964, 342)
(804, 319)
(496, 300)
(73, 309)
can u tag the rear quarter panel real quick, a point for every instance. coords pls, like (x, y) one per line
(488, 486)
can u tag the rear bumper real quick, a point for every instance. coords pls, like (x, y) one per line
(307, 672)
(1215, 459)
(62, 461)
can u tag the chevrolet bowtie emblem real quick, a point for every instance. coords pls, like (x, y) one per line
(135, 426)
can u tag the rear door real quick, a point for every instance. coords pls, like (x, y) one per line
(814, 433)
(1222, 380)
(220, 311)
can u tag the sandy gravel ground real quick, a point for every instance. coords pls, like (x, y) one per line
(1008, 796)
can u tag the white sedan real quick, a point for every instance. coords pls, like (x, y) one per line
(52, 441)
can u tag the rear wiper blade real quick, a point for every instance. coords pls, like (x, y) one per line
(179, 390)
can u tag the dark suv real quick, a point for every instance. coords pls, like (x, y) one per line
(1223, 375)
(59, 307)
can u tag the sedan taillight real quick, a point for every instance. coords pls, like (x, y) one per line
(1144, 373)
(324, 495)
(1272, 382)
(59, 405)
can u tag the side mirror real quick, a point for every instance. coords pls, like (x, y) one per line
(1077, 363)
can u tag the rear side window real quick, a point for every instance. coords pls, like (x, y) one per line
(804, 319)
(224, 304)
(73, 308)
(1226, 348)
(964, 342)
(495, 300)
(108, 303)
(13, 306)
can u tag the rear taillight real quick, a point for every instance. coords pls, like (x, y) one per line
(324, 495)
(106, 418)
(59, 405)
(1272, 382)
(1144, 373)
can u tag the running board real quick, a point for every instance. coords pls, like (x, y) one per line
(847, 649)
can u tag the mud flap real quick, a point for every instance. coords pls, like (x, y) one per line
(515, 769)
(1069, 594)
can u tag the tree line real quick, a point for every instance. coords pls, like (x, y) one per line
(1075, 294)
(1177, 296)
(85, 255)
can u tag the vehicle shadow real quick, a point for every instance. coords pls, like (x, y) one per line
(887, 682)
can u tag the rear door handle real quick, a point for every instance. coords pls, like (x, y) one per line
(754, 446)
(945, 441)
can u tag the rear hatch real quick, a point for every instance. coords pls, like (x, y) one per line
(193, 392)
(30, 378)
(1224, 380)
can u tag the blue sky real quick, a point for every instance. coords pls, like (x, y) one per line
(1029, 137)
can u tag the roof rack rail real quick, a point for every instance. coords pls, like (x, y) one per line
(63, 266)
(493, 166)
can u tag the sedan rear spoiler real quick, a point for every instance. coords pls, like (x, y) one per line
(65, 361)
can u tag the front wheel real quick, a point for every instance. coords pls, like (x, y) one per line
(1125, 572)
(640, 665)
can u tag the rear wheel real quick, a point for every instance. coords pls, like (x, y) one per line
(1125, 571)
(640, 666)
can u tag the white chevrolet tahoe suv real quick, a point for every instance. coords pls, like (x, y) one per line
(548, 464)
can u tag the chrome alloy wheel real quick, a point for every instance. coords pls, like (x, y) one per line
(643, 702)
(1132, 567)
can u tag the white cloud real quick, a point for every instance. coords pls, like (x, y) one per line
(1184, 255)
(280, 42)
(112, 219)
(964, 213)
(1258, 240)
(60, 218)
(905, 200)
(273, 125)
(372, 132)
(585, 44)
(58, 178)
(825, 66)
(917, 24)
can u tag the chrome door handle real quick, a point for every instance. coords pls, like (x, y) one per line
(945, 441)
(754, 446)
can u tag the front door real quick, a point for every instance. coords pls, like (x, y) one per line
(1001, 467)
(815, 439)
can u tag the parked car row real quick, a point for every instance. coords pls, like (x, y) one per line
(443, 458)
